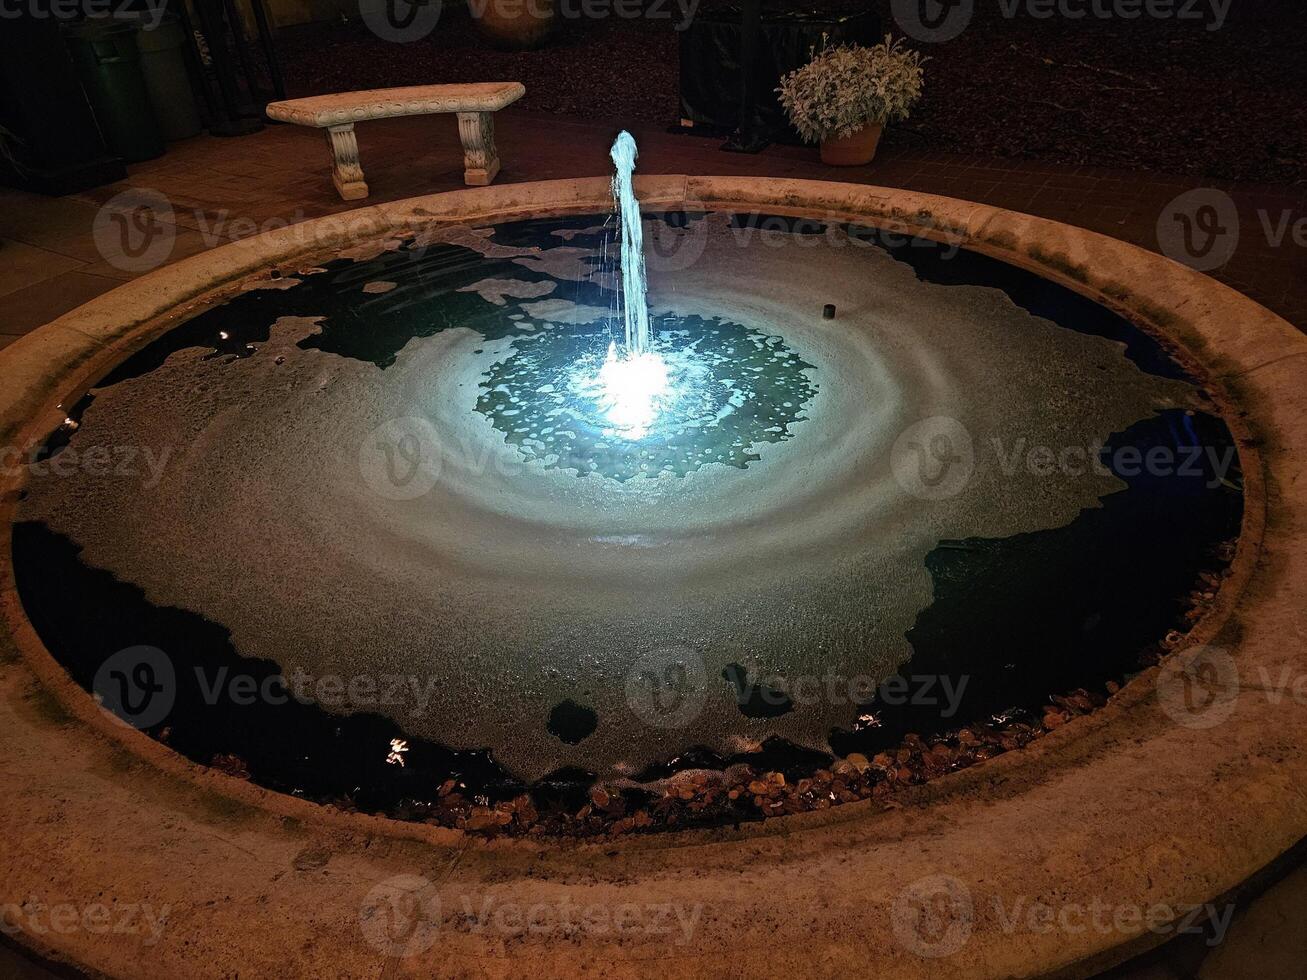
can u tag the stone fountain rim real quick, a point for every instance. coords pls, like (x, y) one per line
(1253, 360)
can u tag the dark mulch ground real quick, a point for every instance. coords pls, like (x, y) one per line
(1167, 96)
(616, 69)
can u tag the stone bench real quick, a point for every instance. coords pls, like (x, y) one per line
(474, 103)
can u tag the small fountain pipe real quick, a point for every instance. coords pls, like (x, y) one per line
(635, 308)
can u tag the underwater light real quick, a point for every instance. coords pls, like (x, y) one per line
(632, 390)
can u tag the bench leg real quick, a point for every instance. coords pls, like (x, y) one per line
(480, 158)
(346, 173)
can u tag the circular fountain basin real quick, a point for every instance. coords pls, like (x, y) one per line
(399, 458)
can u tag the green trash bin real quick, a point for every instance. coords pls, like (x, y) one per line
(163, 63)
(109, 66)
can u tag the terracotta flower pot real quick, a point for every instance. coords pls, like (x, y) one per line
(855, 150)
(515, 24)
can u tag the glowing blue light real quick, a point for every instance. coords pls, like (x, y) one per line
(634, 386)
(631, 391)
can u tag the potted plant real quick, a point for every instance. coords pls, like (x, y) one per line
(844, 96)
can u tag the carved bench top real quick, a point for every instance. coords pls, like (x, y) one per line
(381, 103)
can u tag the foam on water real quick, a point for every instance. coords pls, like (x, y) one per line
(350, 517)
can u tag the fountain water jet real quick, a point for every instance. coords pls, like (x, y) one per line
(635, 310)
(634, 384)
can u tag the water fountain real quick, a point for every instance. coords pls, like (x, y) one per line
(522, 551)
(632, 382)
(546, 483)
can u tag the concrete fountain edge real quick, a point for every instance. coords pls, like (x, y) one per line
(1102, 808)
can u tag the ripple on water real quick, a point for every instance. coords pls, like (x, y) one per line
(347, 493)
